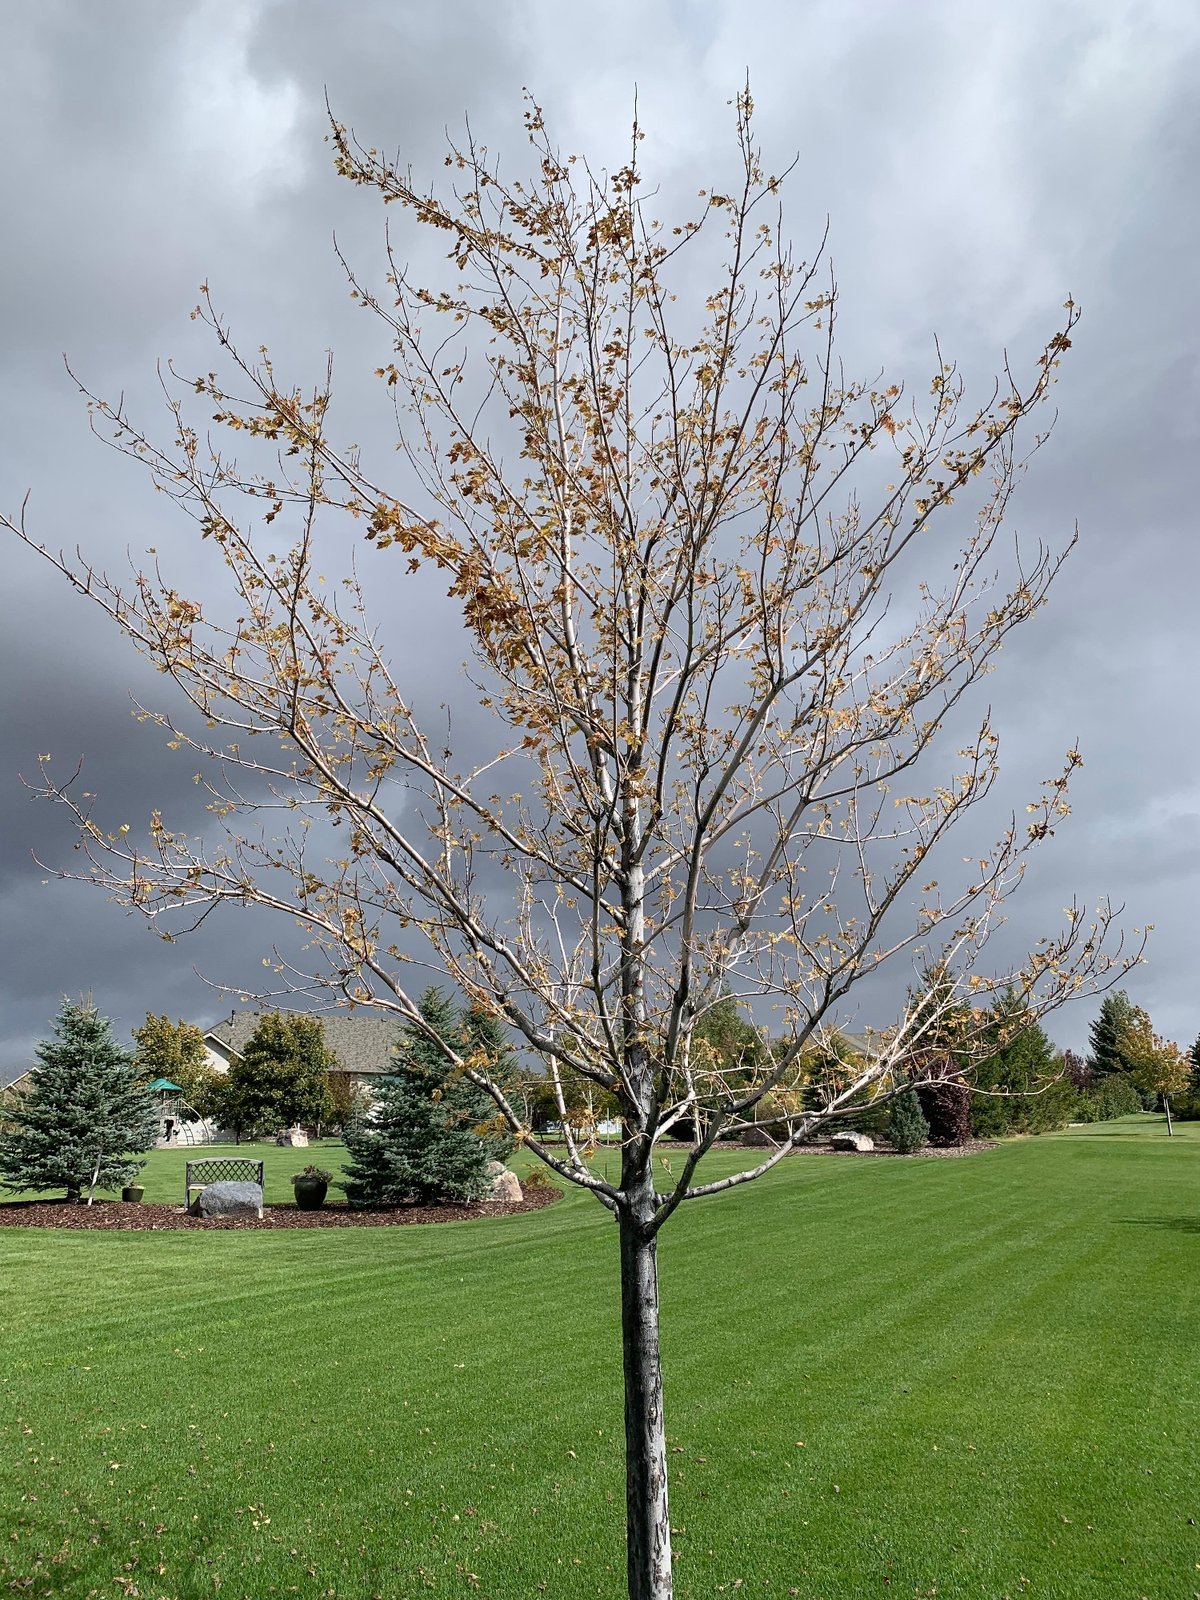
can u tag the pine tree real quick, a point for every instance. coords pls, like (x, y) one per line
(1119, 1021)
(1117, 1015)
(281, 1076)
(431, 1133)
(86, 1116)
(1023, 1074)
(908, 1130)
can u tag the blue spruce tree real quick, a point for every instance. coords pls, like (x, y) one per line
(431, 1134)
(86, 1117)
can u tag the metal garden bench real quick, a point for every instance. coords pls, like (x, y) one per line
(220, 1169)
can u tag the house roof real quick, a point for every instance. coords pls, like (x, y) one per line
(12, 1075)
(865, 1043)
(362, 1044)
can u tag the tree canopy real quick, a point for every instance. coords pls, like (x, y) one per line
(280, 1078)
(176, 1051)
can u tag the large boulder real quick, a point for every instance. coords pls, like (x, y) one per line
(850, 1139)
(231, 1199)
(295, 1137)
(505, 1185)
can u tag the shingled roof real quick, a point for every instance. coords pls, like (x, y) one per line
(361, 1043)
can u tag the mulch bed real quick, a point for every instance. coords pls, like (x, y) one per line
(116, 1214)
(822, 1147)
(971, 1148)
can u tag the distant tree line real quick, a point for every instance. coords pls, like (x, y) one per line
(87, 1113)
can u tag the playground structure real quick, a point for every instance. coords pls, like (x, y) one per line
(178, 1122)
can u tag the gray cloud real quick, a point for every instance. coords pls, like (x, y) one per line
(976, 163)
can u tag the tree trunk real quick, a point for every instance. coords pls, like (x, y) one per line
(648, 1526)
(1167, 1107)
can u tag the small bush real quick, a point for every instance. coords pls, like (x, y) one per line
(907, 1127)
(947, 1109)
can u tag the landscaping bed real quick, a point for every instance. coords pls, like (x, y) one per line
(823, 1147)
(117, 1214)
(972, 1147)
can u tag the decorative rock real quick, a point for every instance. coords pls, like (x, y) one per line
(231, 1199)
(849, 1139)
(505, 1185)
(295, 1137)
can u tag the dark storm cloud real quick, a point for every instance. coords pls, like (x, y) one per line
(976, 163)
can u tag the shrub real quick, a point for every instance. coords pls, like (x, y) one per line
(1109, 1097)
(947, 1109)
(907, 1127)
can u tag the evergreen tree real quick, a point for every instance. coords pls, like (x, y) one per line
(431, 1132)
(907, 1127)
(281, 1076)
(86, 1116)
(1022, 1074)
(1117, 1015)
(484, 1036)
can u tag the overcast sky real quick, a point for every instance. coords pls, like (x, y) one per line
(977, 162)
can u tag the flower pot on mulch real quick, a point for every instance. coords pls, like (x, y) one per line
(133, 1192)
(310, 1188)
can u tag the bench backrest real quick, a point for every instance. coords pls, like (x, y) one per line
(221, 1169)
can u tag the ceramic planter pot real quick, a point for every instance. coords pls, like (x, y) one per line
(310, 1193)
(132, 1192)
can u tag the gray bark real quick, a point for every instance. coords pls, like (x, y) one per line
(648, 1547)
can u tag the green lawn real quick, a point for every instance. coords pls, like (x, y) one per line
(963, 1378)
(163, 1175)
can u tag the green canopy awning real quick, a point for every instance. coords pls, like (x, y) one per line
(164, 1086)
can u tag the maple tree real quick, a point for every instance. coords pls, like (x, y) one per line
(176, 1051)
(1156, 1065)
(672, 526)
